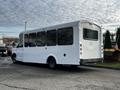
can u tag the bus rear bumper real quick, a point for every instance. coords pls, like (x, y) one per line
(95, 60)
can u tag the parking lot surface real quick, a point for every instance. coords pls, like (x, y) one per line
(39, 77)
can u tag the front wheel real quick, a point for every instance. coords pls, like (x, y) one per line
(13, 57)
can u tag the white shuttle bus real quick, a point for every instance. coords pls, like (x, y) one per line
(72, 43)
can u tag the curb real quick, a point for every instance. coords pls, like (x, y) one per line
(102, 67)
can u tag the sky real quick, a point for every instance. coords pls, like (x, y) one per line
(10, 31)
(42, 13)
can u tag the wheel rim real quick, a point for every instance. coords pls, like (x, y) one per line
(52, 64)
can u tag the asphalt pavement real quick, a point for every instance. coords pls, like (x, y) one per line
(38, 77)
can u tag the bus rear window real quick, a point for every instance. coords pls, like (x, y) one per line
(89, 34)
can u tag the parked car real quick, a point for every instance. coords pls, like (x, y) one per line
(3, 51)
(9, 50)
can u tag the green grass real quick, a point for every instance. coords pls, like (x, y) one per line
(109, 64)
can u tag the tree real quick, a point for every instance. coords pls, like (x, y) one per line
(118, 37)
(107, 41)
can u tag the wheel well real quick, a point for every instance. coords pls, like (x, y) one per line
(14, 54)
(51, 58)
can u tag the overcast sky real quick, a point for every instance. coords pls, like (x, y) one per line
(41, 13)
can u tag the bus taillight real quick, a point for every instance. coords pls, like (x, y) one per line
(80, 45)
(102, 47)
(81, 49)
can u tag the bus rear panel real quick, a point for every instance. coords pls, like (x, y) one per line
(90, 43)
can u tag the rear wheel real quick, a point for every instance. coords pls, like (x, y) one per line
(13, 57)
(51, 63)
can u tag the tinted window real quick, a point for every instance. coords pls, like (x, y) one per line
(20, 45)
(89, 34)
(21, 37)
(20, 41)
(65, 36)
(41, 38)
(51, 38)
(26, 40)
(32, 39)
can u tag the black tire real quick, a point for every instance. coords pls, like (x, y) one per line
(13, 57)
(51, 63)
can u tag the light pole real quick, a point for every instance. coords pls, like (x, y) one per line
(25, 26)
(24, 32)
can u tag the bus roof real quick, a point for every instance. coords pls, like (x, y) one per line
(60, 26)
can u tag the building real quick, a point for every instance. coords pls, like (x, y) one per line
(8, 40)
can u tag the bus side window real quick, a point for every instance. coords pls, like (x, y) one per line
(19, 45)
(41, 38)
(65, 36)
(26, 40)
(51, 38)
(32, 39)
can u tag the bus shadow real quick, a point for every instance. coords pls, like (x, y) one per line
(60, 68)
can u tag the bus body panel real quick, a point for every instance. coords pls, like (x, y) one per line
(34, 54)
(63, 54)
(19, 53)
(69, 54)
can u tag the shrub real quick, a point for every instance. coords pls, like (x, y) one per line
(118, 37)
(107, 41)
